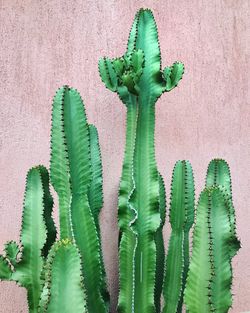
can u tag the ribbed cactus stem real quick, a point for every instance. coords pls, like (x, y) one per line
(160, 249)
(209, 277)
(138, 80)
(126, 214)
(181, 219)
(25, 265)
(218, 174)
(63, 288)
(77, 177)
(59, 165)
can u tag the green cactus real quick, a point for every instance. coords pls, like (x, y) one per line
(77, 178)
(138, 80)
(69, 275)
(63, 288)
(76, 174)
(209, 281)
(24, 265)
(181, 219)
(218, 174)
(210, 275)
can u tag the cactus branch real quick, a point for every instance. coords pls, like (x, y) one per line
(181, 219)
(12, 251)
(218, 174)
(210, 275)
(27, 272)
(64, 289)
(81, 194)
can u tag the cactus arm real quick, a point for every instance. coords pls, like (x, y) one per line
(173, 75)
(160, 250)
(86, 238)
(181, 220)
(64, 283)
(220, 231)
(197, 293)
(48, 207)
(33, 237)
(95, 195)
(174, 272)
(131, 45)
(108, 74)
(77, 141)
(5, 269)
(190, 215)
(127, 247)
(218, 174)
(12, 251)
(126, 215)
(85, 232)
(210, 252)
(59, 167)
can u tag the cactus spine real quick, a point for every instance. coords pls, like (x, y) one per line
(208, 287)
(181, 219)
(24, 265)
(77, 177)
(139, 81)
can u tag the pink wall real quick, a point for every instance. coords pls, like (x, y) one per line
(45, 44)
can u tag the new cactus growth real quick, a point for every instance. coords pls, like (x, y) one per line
(24, 264)
(139, 81)
(181, 219)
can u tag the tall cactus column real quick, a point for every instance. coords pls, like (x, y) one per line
(139, 82)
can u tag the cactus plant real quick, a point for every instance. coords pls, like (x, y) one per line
(68, 275)
(77, 178)
(209, 281)
(139, 81)
(24, 263)
(50, 271)
(181, 219)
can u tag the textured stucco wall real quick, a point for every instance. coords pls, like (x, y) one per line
(45, 44)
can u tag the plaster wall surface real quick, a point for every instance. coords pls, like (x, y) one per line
(45, 44)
